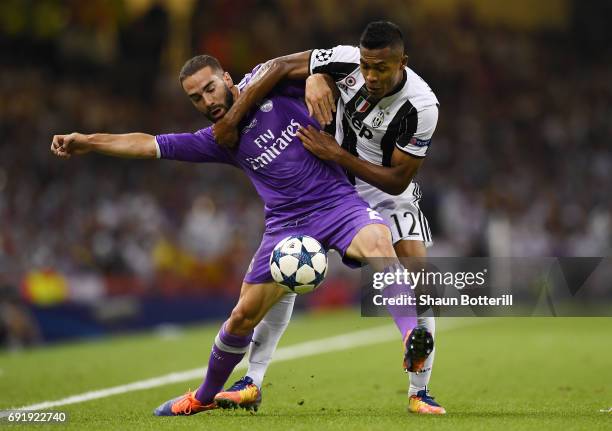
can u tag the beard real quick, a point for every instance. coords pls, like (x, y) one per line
(227, 104)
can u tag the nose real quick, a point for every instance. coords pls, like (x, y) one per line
(371, 77)
(207, 100)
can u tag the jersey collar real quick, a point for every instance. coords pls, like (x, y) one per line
(399, 86)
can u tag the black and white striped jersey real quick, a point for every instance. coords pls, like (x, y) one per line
(405, 119)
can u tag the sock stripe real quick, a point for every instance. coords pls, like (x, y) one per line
(230, 349)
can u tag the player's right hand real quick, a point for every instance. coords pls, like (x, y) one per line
(64, 146)
(320, 98)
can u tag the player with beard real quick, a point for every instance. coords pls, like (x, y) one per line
(385, 120)
(302, 195)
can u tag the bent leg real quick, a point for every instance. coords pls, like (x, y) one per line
(372, 244)
(232, 341)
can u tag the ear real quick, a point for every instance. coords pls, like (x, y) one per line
(404, 61)
(228, 79)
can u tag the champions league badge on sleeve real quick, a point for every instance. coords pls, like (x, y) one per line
(324, 55)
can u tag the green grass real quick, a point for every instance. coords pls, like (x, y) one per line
(510, 373)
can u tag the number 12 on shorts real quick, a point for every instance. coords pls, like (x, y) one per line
(411, 231)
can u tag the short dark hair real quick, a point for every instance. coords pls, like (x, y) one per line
(381, 34)
(198, 63)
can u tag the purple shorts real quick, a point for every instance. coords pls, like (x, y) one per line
(334, 228)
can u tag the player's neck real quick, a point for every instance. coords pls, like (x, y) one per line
(398, 86)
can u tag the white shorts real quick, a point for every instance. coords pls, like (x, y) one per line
(405, 218)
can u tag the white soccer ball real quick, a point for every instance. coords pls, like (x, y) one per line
(298, 264)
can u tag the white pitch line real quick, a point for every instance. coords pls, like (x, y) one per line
(380, 334)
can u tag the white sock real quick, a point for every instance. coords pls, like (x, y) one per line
(419, 381)
(266, 336)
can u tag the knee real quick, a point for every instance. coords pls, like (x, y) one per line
(379, 243)
(241, 322)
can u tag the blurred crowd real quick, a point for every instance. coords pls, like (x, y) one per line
(521, 155)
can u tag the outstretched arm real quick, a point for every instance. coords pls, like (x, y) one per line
(129, 145)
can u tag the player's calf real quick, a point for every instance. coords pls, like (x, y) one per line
(255, 301)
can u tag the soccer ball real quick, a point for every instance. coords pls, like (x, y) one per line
(298, 264)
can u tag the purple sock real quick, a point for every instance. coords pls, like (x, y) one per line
(227, 351)
(404, 316)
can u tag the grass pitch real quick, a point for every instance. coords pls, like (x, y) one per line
(509, 373)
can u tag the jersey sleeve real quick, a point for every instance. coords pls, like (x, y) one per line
(248, 77)
(416, 131)
(198, 147)
(338, 62)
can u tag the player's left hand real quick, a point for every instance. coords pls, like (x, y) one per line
(225, 133)
(321, 144)
(320, 96)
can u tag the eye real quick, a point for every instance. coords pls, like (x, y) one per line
(210, 89)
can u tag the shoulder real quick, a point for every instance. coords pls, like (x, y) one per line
(338, 53)
(337, 61)
(418, 91)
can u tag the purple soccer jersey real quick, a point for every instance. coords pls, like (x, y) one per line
(290, 180)
(294, 184)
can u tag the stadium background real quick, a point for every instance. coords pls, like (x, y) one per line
(520, 164)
